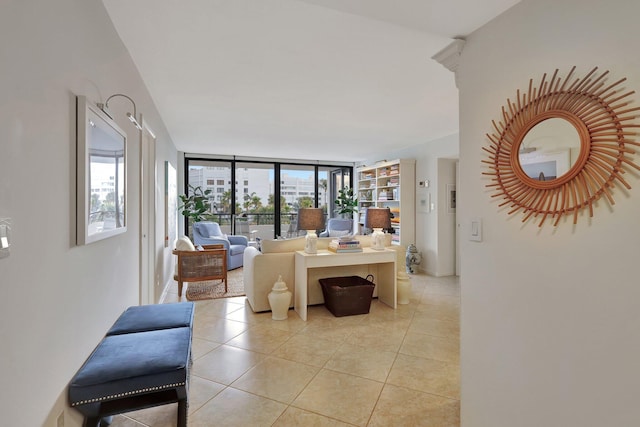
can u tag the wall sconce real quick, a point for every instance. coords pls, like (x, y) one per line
(310, 219)
(378, 219)
(105, 108)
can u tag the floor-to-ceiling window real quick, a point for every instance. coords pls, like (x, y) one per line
(216, 176)
(260, 198)
(297, 190)
(254, 193)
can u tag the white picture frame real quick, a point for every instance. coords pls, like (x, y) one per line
(101, 177)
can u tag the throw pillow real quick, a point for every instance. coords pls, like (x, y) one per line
(209, 229)
(339, 233)
(184, 244)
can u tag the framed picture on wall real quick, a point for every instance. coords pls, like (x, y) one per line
(101, 181)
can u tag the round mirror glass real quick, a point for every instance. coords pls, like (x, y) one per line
(549, 149)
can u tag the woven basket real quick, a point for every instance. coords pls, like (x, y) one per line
(349, 295)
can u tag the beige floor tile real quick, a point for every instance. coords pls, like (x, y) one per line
(158, 416)
(442, 287)
(236, 408)
(427, 375)
(432, 298)
(295, 417)
(439, 311)
(380, 312)
(306, 348)
(276, 379)
(225, 364)
(378, 336)
(200, 347)
(430, 347)
(217, 307)
(362, 362)
(246, 315)
(403, 407)
(218, 329)
(344, 397)
(426, 324)
(328, 329)
(201, 391)
(415, 349)
(262, 339)
(292, 324)
(124, 421)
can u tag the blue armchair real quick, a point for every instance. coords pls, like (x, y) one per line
(337, 227)
(209, 233)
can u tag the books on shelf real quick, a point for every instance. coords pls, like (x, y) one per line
(342, 246)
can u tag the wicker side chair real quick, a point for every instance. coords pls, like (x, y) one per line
(199, 266)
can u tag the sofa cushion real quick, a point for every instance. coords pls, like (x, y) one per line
(153, 317)
(133, 364)
(280, 246)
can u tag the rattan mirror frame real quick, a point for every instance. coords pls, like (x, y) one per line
(606, 125)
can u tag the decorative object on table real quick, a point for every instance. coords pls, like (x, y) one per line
(347, 296)
(602, 130)
(310, 219)
(195, 204)
(412, 258)
(345, 244)
(402, 280)
(279, 300)
(378, 219)
(346, 203)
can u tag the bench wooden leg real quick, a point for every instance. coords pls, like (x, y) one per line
(179, 288)
(182, 412)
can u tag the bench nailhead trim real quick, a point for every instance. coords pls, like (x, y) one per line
(128, 393)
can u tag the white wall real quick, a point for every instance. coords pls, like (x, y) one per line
(58, 299)
(435, 230)
(549, 319)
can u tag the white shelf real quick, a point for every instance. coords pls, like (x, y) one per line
(378, 177)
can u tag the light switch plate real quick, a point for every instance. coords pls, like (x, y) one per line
(475, 230)
(5, 237)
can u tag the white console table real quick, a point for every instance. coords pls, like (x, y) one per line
(324, 259)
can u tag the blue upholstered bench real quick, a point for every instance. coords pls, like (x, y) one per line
(143, 361)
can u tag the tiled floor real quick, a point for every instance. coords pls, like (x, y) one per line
(386, 368)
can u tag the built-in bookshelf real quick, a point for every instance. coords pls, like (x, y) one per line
(390, 184)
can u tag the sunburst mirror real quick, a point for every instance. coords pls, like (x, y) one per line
(562, 145)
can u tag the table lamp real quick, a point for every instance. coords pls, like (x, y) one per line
(378, 219)
(310, 219)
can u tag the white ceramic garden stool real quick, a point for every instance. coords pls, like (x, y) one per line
(279, 300)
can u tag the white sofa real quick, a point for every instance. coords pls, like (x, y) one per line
(262, 268)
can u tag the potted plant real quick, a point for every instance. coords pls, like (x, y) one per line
(196, 204)
(346, 204)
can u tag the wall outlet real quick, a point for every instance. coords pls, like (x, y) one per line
(60, 420)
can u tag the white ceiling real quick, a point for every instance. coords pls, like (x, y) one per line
(299, 79)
